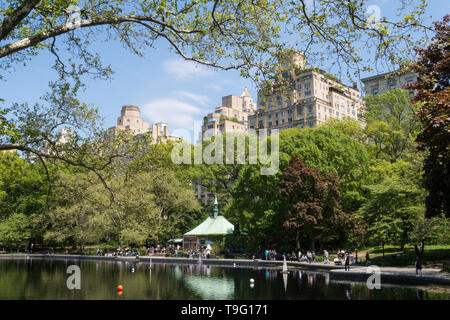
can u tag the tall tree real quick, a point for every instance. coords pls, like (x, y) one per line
(391, 211)
(391, 127)
(260, 209)
(433, 90)
(312, 201)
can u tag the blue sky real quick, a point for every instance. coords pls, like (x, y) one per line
(165, 87)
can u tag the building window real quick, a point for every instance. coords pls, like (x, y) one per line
(311, 124)
(299, 117)
(299, 109)
(307, 85)
(299, 86)
(307, 93)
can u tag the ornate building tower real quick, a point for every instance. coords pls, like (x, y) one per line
(130, 119)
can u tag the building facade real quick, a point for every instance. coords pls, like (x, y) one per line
(313, 96)
(232, 116)
(382, 83)
(131, 120)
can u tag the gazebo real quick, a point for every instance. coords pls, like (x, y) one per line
(214, 225)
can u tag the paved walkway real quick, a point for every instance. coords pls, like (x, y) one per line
(405, 275)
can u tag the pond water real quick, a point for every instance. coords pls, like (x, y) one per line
(46, 279)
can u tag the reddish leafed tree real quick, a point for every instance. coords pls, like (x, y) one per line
(433, 90)
(312, 200)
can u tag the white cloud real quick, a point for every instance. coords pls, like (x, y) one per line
(178, 114)
(201, 99)
(183, 69)
(217, 87)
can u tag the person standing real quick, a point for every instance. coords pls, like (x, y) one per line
(367, 258)
(313, 256)
(347, 261)
(356, 255)
(419, 255)
(325, 256)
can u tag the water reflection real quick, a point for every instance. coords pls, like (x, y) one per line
(211, 288)
(41, 279)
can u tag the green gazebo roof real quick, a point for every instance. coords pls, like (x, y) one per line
(213, 225)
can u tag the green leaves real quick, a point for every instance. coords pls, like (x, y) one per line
(391, 209)
(15, 230)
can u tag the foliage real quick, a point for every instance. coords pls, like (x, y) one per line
(391, 211)
(431, 230)
(433, 91)
(312, 201)
(391, 128)
(257, 205)
(15, 230)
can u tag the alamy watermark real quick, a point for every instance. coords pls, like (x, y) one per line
(374, 280)
(74, 280)
(238, 148)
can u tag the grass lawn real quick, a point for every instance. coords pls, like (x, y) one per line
(393, 256)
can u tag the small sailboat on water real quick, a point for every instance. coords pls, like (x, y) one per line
(285, 269)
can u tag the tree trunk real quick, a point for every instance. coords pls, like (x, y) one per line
(312, 244)
(297, 239)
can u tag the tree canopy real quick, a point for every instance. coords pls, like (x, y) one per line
(433, 90)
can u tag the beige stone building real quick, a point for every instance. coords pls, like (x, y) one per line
(382, 83)
(131, 120)
(313, 97)
(232, 116)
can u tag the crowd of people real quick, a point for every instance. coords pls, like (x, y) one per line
(119, 252)
(342, 257)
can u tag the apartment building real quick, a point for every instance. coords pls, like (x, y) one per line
(313, 97)
(384, 82)
(232, 116)
(131, 120)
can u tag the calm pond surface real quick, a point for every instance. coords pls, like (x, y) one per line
(46, 279)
